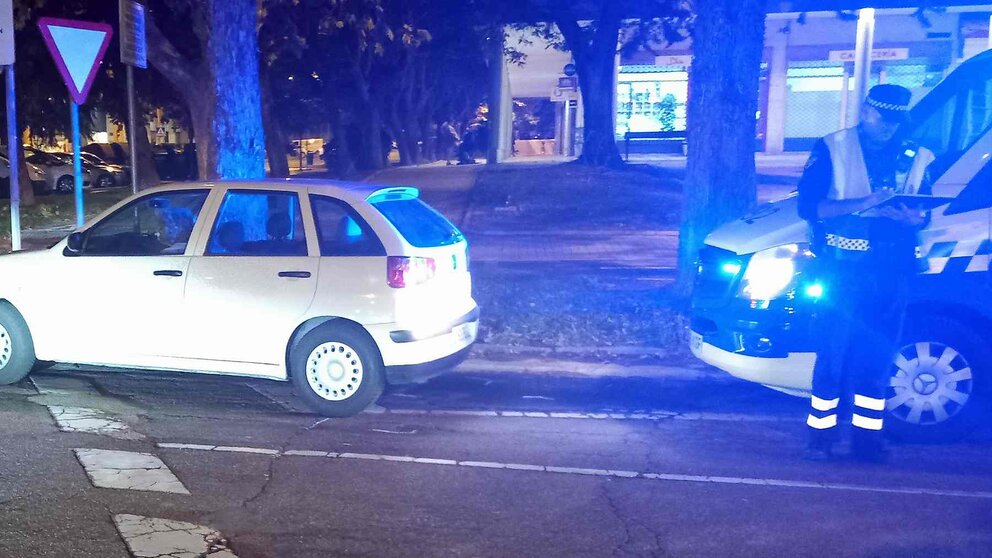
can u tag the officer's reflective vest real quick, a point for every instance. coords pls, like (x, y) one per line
(849, 235)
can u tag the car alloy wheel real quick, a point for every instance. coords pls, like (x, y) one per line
(334, 371)
(932, 384)
(6, 345)
(65, 184)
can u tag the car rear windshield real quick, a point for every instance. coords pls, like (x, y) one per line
(419, 223)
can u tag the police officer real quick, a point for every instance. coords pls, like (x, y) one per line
(865, 253)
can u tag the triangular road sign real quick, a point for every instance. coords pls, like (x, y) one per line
(78, 48)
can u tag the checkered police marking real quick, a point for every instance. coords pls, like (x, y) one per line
(963, 256)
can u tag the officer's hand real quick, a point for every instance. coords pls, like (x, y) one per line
(878, 197)
(902, 214)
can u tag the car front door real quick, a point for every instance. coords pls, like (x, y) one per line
(119, 297)
(255, 279)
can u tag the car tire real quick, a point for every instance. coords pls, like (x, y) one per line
(337, 370)
(16, 346)
(65, 184)
(105, 181)
(940, 382)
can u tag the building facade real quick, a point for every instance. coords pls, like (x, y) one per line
(807, 86)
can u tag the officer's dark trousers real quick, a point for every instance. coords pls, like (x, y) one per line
(858, 324)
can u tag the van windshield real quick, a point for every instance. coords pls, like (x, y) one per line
(418, 222)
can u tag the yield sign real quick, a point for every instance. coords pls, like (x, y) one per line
(78, 48)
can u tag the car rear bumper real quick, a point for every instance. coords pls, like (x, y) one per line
(405, 346)
(417, 373)
(794, 372)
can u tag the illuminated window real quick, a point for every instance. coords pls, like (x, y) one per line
(651, 100)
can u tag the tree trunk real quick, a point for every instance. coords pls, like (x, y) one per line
(342, 161)
(147, 171)
(236, 135)
(223, 99)
(720, 183)
(372, 155)
(24, 182)
(275, 135)
(599, 146)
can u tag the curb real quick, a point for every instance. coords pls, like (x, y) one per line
(571, 368)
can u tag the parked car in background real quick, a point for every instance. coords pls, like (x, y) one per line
(113, 153)
(105, 175)
(58, 175)
(35, 173)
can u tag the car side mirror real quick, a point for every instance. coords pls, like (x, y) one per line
(75, 243)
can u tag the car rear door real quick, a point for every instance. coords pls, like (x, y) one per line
(251, 283)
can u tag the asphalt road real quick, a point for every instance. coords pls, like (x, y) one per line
(471, 465)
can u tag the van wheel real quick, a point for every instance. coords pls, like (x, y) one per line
(337, 370)
(940, 381)
(16, 347)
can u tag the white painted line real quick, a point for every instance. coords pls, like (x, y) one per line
(306, 453)
(432, 461)
(126, 470)
(151, 537)
(187, 446)
(91, 421)
(368, 456)
(483, 464)
(523, 467)
(235, 449)
(670, 477)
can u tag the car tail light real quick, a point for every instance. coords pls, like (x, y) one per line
(405, 271)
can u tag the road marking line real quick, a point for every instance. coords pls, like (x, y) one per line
(126, 470)
(306, 453)
(152, 537)
(618, 473)
(236, 449)
(91, 421)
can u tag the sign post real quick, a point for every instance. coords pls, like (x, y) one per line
(13, 138)
(133, 53)
(77, 48)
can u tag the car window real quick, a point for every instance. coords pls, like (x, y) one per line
(155, 225)
(341, 231)
(258, 223)
(418, 222)
(957, 121)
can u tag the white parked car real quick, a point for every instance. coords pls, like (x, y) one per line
(333, 286)
(56, 171)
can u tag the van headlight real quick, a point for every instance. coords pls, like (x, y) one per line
(771, 272)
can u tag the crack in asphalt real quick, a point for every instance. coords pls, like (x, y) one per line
(656, 551)
(270, 473)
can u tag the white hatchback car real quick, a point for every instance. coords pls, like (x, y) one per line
(334, 286)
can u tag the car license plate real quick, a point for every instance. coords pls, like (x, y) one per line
(695, 341)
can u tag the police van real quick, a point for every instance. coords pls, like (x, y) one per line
(753, 300)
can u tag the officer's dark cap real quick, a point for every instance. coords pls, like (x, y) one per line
(891, 101)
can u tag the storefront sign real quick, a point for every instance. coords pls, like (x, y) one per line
(876, 54)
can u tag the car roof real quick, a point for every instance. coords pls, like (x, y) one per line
(351, 192)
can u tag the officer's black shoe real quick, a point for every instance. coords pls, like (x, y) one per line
(818, 451)
(869, 450)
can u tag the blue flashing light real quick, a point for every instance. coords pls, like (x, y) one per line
(731, 268)
(814, 290)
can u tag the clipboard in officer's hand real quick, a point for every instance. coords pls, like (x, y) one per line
(915, 202)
